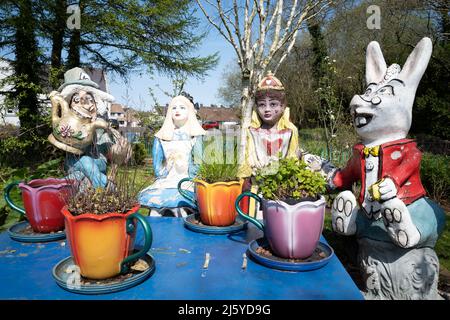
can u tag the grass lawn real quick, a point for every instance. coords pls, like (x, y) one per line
(143, 177)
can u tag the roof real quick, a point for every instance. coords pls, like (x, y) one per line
(218, 114)
(117, 108)
(131, 115)
(98, 76)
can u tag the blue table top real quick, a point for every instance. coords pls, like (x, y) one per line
(26, 273)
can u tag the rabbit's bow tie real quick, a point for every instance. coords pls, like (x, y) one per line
(374, 151)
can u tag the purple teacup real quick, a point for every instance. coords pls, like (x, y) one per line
(291, 230)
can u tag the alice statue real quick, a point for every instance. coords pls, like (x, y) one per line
(177, 152)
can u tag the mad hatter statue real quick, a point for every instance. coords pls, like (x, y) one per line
(77, 108)
(177, 151)
(395, 223)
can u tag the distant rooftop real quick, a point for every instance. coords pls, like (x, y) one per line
(218, 114)
(117, 108)
(98, 76)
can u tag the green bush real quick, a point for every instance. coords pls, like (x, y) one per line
(289, 178)
(26, 147)
(313, 141)
(435, 175)
(139, 153)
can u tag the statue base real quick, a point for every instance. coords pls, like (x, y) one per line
(391, 272)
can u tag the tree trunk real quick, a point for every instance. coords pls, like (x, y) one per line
(73, 59)
(26, 66)
(445, 22)
(58, 27)
(319, 49)
(246, 112)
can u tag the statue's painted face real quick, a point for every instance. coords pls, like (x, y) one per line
(179, 114)
(83, 103)
(385, 109)
(269, 109)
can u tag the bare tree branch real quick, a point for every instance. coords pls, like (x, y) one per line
(224, 19)
(248, 21)
(221, 31)
(237, 27)
(291, 36)
(279, 14)
(262, 32)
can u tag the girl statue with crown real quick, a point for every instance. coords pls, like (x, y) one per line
(272, 136)
(177, 150)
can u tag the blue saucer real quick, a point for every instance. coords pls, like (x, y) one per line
(275, 262)
(22, 232)
(67, 279)
(192, 222)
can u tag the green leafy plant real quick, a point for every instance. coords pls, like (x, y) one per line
(287, 179)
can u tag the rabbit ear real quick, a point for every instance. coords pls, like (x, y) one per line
(417, 62)
(375, 64)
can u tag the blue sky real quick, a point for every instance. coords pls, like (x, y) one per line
(203, 91)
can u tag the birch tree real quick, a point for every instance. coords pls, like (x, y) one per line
(262, 34)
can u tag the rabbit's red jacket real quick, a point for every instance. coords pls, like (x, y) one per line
(399, 160)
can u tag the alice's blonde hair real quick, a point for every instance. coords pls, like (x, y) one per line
(192, 127)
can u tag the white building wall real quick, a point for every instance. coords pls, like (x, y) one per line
(7, 116)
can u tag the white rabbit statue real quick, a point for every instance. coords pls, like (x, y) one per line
(395, 223)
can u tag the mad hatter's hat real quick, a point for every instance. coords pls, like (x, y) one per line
(77, 76)
(75, 80)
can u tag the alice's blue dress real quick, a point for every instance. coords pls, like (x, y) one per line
(172, 161)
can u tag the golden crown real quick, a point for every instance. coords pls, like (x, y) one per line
(270, 82)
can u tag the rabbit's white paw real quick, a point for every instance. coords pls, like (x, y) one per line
(388, 190)
(344, 212)
(398, 222)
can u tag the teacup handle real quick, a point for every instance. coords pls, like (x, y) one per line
(8, 199)
(245, 216)
(184, 192)
(147, 243)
